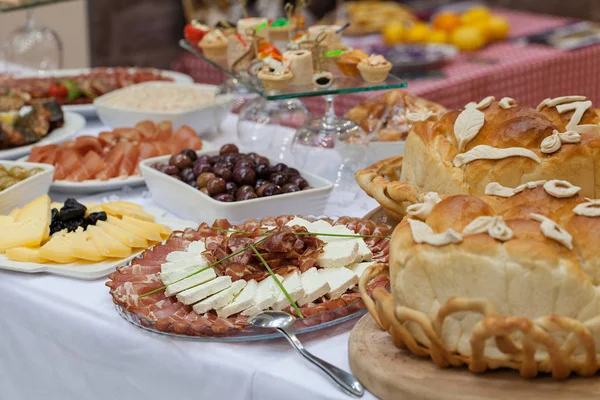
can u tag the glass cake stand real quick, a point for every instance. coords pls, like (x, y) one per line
(331, 146)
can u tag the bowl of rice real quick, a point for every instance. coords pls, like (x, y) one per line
(196, 105)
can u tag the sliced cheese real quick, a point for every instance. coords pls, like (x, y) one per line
(196, 247)
(293, 285)
(180, 256)
(189, 283)
(28, 233)
(173, 271)
(84, 248)
(113, 208)
(220, 299)
(201, 292)
(106, 244)
(338, 253)
(241, 302)
(135, 229)
(364, 253)
(14, 213)
(339, 280)
(266, 295)
(127, 238)
(314, 285)
(59, 248)
(163, 230)
(360, 268)
(25, 254)
(122, 204)
(5, 219)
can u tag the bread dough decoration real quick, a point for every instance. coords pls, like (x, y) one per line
(559, 100)
(485, 103)
(507, 102)
(552, 230)
(579, 107)
(422, 210)
(494, 226)
(467, 125)
(422, 233)
(413, 117)
(485, 152)
(554, 142)
(591, 208)
(561, 189)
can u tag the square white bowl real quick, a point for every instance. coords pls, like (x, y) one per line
(381, 150)
(186, 202)
(201, 119)
(28, 189)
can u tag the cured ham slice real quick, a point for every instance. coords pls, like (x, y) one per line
(147, 130)
(91, 165)
(69, 160)
(38, 154)
(113, 161)
(129, 161)
(147, 150)
(164, 129)
(83, 144)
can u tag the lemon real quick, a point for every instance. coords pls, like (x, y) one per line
(485, 29)
(498, 27)
(418, 33)
(467, 38)
(475, 14)
(393, 32)
(9, 117)
(437, 36)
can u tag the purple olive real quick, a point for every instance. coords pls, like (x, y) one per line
(157, 165)
(279, 179)
(190, 153)
(299, 181)
(247, 196)
(231, 157)
(187, 174)
(262, 171)
(171, 170)
(244, 188)
(244, 176)
(176, 177)
(231, 188)
(244, 162)
(279, 168)
(292, 172)
(203, 159)
(181, 161)
(290, 188)
(215, 159)
(200, 168)
(225, 197)
(270, 189)
(223, 172)
(216, 186)
(228, 148)
(262, 160)
(259, 183)
(204, 178)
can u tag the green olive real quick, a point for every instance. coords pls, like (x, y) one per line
(34, 171)
(7, 181)
(3, 172)
(3, 169)
(18, 172)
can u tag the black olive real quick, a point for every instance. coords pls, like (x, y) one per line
(243, 189)
(279, 167)
(223, 172)
(190, 153)
(188, 175)
(228, 148)
(259, 183)
(270, 189)
(226, 197)
(216, 186)
(244, 176)
(278, 179)
(72, 209)
(181, 161)
(231, 188)
(95, 217)
(246, 196)
(245, 162)
(290, 188)
(203, 159)
(200, 168)
(299, 181)
(323, 80)
(262, 171)
(171, 170)
(292, 172)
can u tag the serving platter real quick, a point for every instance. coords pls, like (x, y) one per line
(89, 110)
(73, 124)
(390, 373)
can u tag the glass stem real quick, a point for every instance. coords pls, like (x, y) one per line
(330, 116)
(30, 22)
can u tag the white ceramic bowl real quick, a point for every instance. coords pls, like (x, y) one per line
(382, 150)
(201, 119)
(28, 189)
(186, 202)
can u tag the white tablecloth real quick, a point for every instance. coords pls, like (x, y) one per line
(62, 339)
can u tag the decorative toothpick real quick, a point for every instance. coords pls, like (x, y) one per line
(318, 40)
(289, 14)
(252, 33)
(244, 6)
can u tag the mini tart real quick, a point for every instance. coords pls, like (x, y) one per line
(374, 72)
(273, 81)
(347, 63)
(213, 49)
(281, 32)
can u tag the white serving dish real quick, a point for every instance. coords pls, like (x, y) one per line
(186, 202)
(381, 150)
(202, 119)
(88, 110)
(26, 190)
(88, 270)
(73, 124)
(96, 186)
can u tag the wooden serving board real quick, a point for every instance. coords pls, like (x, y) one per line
(391, 373)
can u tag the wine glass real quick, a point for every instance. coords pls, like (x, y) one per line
(34, 46)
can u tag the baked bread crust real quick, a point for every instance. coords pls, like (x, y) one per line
(431, 148)
(535, 297)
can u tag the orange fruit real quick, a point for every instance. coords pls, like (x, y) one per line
(475, 14)
(446, 21)
(393, 32)
(467, 38)
(499, 27)
(437, 36)
(418, 33)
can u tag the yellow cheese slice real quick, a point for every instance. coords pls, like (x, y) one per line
(14, 213)
(146, 234)
(163, 230)
(84, 248)
(6, 219)
(59, 248)
(29, 233)
(25, 254)
(127, 204)
(37, 210)
(127, 238)
(120, 211)
(106, 244)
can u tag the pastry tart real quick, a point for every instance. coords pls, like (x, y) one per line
(504, 280)
(491, 141)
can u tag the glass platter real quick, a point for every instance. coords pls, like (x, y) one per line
(341, 84)
(250, 333)
(14, 5)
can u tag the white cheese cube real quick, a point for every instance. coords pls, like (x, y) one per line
(338, 253)
(176, 270)
(265, 297)
(200, 292)
(314, 285)
(197, 247)
(175, 265)
(300, 222)
(241, 302)
(220, 299)
(339, 279)
(190, 282)
(359, 268)
(293, 284)
(364, 253)
(179, 256)
(321, 226)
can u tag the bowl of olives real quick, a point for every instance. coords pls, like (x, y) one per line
(22, 182)
(231, 183)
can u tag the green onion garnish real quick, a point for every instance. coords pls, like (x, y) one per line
(333, 53)
(260, 27)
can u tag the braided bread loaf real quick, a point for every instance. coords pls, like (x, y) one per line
(520, 266)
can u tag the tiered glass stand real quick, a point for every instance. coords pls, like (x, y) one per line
(330, 145)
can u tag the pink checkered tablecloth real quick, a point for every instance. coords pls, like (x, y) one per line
(527, 73)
